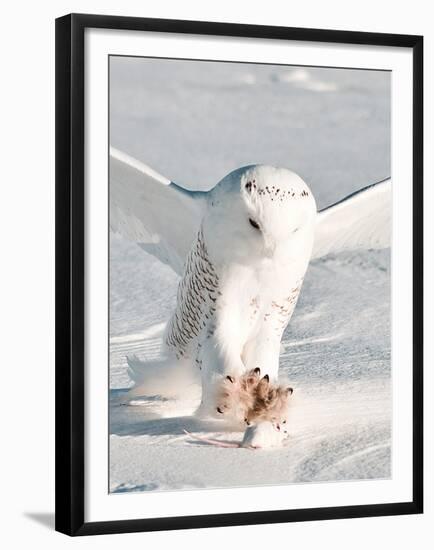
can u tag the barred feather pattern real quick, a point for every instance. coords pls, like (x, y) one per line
(196, 303)
(282, 311)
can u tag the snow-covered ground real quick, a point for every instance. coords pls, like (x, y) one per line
(194, 122)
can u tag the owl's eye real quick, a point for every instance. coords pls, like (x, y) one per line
(254, 224)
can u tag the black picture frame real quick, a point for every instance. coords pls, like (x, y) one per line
(70, 264)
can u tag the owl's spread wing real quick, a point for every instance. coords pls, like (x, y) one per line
(360, 221)
(145, 207)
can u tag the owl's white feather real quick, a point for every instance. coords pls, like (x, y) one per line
(145, 207)
(362, 220)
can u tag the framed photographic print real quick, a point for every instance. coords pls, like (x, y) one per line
(238, 274)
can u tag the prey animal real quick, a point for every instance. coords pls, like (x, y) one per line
(241, 250)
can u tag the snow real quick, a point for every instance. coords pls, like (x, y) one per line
(193, 123)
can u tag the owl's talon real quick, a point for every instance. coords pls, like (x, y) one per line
(236, 394)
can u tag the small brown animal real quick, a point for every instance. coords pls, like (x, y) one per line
(253, 399)
(271, 403)
(237, 396)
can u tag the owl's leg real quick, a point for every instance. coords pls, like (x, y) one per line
(221, 349)
(219, 363)
(263, 352)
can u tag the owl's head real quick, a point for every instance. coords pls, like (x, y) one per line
(264, 206)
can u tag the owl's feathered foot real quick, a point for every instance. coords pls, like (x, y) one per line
(252, 399)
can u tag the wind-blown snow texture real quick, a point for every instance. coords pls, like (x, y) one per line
(194, 122)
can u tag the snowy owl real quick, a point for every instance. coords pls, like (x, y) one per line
(242, 250)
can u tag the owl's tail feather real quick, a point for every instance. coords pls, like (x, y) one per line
(165, 377)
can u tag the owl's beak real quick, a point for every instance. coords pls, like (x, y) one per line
(269, 246)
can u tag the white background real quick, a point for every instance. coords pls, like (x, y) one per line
(27, 274)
